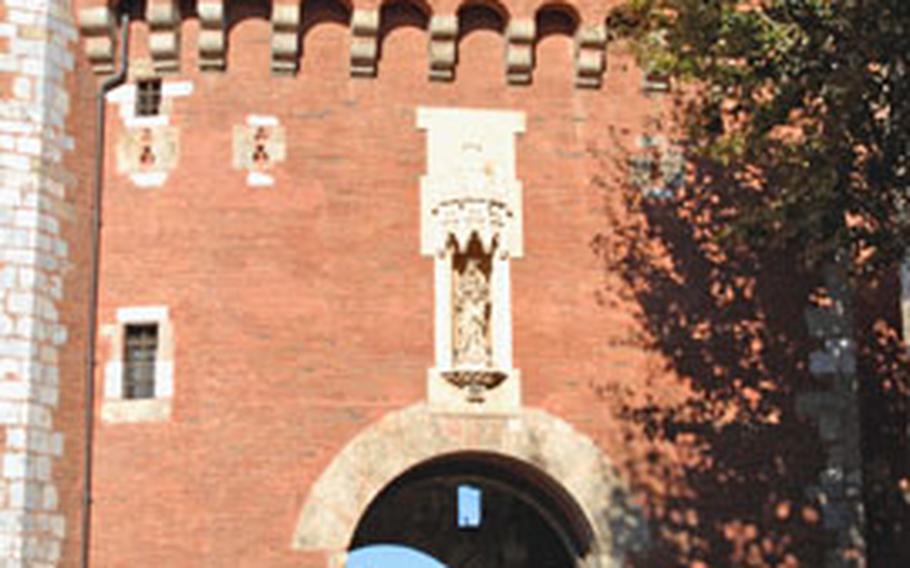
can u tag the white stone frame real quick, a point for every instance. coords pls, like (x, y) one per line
(125, 97)
(471, 188)
(277, 148)
(115, 408)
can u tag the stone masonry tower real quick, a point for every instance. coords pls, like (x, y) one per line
(42, 279)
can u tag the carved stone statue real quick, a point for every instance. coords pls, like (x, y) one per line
(472, 317)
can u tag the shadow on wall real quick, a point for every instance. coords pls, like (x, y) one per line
(725, 468)
(884, 366)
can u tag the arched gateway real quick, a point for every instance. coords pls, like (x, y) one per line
(528, 464)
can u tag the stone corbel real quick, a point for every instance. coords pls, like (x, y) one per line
(520, 51)
(211, 35)
(97, 25)
(443, 47)
(285, 38)
(163, 18)
(590, 55)
(365, 43)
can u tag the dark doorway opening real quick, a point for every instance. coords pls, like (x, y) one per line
(478, 511)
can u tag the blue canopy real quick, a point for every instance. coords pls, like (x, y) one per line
(391, 556)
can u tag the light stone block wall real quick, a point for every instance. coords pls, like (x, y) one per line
(40, 36)
(836, 412)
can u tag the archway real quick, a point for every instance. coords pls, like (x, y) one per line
(546, 447)
(478, 510)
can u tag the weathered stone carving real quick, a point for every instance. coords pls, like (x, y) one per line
(364, 43)
(163, 17)
(211, 35)
(97, 25)
(520, 52)
(475, 382)
(472, 317)
(471, 226)
(590, 55)
(476, 198)
(259, 144)
(443, 47)
(285, 38)
(148, 154)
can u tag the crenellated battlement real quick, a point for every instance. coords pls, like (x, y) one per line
(520, 24)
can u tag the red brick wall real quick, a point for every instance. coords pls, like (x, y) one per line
(303, 312)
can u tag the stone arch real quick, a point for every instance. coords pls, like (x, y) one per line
(401, 440)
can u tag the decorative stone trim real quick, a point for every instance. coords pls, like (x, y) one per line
(163, 17)
(149, 148)
(259, 145)
(471, 224)
(148, 154)
(590, 55)
(471, 155)
(404, 439)
(443, 47)
(520, 35)
(836, 410)
(475, 382)
(285, 38)
(98, 26)
(114, 407)
(135, 411)
(125, 97)
(364, 43)
(211, 35)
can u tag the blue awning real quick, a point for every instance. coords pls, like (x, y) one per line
(391, 556)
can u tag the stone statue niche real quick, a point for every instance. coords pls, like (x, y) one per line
(471, 307)
(472, 319)
(471, 225)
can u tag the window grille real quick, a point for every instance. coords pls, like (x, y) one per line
(140, 350)
(148, 97)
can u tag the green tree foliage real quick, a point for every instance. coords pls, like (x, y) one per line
(805, 102)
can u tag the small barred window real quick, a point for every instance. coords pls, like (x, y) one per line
(148, 97)
(140, 350)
